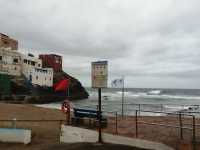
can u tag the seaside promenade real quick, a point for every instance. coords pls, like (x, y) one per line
(45, 125)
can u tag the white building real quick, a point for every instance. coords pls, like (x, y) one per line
(16, 64)
(41, 76)
(10, 62)
(29, 63)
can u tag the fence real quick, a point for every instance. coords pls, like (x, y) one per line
(169, 128)
(167, 107)
(166, 127)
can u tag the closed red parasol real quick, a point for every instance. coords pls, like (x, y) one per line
(61, 85)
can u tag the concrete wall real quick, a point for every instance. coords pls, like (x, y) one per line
(74, 134)
(42, 76)
(15, 135)
(29, 63)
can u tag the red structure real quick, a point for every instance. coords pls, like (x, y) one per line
(51, 61)
(61, 85)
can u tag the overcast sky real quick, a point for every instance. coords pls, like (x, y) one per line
(153, 43)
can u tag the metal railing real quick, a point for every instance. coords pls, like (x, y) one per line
(180, 125)
(137, 122)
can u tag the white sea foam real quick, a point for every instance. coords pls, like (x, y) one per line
(174, 108)
(171, 100)
(154, 92)
(154, 95)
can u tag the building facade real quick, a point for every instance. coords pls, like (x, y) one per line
(41, 76)
(29, 63)
(51, 61)
(10, 62)
(7, 42)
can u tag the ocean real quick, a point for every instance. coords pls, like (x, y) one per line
(150, 101)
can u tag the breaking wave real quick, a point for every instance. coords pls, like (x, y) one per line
(154, 92)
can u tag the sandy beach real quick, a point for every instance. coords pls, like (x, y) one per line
(46, 133)
(167, 135)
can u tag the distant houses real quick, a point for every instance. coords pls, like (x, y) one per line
(10, 62)
(41, 76)
(7, 42)
(52, 60)
(38, 71)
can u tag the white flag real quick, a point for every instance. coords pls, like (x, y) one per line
(117, 83)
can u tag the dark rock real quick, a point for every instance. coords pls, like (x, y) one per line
(76, 90)
(22, 91)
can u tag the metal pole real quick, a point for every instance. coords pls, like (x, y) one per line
(99, 115)
(136, 123)
(180, 125)
(123, 97)
(161, 107)
(60, 128)
(68, 92)
(139, 108)
(116, 130)
(194, 133)
(68, 117)
(14, 123)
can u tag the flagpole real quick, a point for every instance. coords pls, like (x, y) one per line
(123, 97)
(68, 90)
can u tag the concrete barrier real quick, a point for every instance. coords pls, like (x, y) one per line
(13, 135)
(71, 134)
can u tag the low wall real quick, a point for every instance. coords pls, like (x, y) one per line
(15, 135)
(71, 134)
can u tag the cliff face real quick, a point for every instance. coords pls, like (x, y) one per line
(23, 92)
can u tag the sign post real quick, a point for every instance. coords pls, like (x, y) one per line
(99, 80)
(99, 115)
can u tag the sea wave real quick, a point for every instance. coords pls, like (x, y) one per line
(154, 92)
(154, 95)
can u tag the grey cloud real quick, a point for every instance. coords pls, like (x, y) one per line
(153, 39)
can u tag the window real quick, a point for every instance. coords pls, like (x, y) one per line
(15, 68)
(1, 58)
(50, 78)
(5, 42)
(25, 61)
(36, 77)
(45, 78)
(15, 60)
(38, 65)
(32, 63)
